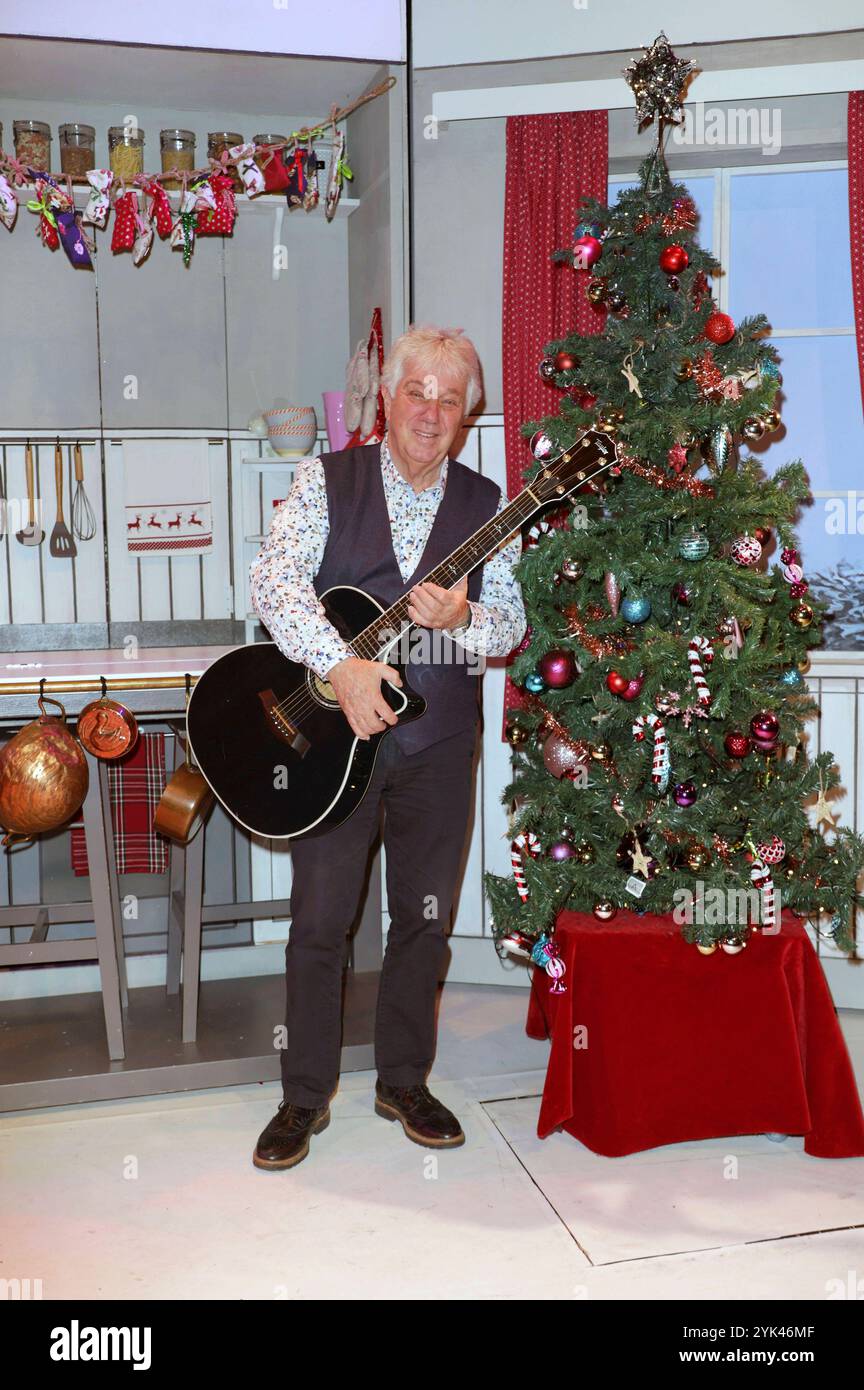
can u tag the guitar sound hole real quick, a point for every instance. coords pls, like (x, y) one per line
(322, 690)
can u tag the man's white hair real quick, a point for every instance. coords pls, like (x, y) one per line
(435, 351)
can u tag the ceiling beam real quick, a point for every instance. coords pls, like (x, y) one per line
(608, 94)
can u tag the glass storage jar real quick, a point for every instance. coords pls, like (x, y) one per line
(217, 142)
(126, 150)
(77, 148)
(33, 144)
(178, 152)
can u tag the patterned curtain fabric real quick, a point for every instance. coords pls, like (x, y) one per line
(856, 218)
(553, 161)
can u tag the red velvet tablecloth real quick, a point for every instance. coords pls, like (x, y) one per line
(682, 1046)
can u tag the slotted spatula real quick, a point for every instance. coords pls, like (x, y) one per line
(61, 544)
(32, 534)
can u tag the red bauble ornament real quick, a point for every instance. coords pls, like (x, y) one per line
(719, 328)
(566, 361)
(616, 683)
(558, 668)
(762, 534)
(737, 744)
(674, 259)
(634, 688)
(764, 728)
(587, 250)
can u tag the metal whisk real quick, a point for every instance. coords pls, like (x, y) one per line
(83, 518)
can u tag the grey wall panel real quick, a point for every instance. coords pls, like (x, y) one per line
(163, 338)
(48, 357)
(288, 336)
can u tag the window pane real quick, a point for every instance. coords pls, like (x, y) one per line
(824, 427)
(789, 256)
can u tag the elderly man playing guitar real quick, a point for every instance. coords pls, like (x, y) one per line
(381, 517)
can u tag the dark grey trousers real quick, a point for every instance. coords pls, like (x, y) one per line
(427, 797)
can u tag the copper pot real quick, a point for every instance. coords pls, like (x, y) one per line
(183, 806)
(107, 729)
(43, 776)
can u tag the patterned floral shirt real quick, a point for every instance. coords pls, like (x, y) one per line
(281, 575)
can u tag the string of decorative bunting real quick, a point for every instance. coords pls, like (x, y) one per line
(207, 205)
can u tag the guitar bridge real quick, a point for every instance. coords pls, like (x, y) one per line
(281, 724)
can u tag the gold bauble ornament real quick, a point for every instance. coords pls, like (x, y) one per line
(596, 291)
(585, 853)
(801, 615)
(698, 857)
(803, 666)
(685, 370)
(771, 420)
(516, 735)
(604, 910)
(753, 427)
(706, 950)
(602, 753)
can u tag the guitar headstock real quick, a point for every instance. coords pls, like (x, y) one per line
(592, 455)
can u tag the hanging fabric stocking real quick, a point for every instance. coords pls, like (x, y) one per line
(99, 202)
(250, 175)
(125, 226)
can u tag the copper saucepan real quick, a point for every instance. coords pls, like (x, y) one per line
(107, 729)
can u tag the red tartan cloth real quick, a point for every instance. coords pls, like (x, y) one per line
(682, 1046)
(553, 161)
(135, 784)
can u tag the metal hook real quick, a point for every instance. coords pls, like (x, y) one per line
(104, 687)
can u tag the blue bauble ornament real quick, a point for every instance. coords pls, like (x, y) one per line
(769, 369)
(693, 546)
(534, 683)
(635, 609)
(588, 229)
(793, 678)
(539, 953)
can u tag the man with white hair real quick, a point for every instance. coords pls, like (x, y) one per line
(380, 517)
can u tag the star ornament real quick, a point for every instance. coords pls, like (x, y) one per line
(658, 80)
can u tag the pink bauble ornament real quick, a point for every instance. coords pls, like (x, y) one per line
(746, 550)
(771, 851)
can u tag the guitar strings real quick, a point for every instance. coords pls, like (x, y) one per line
(302, 702)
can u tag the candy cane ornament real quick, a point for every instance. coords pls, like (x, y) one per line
(547, 953)
(700, 650)
(760, 875)
(536, 531)
(525, 841)
(660, 759)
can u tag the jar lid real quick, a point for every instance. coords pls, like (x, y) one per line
(39, 127)
(83, 132)
(270, 139)
(186, 136)
(129, 135)
(230, 137)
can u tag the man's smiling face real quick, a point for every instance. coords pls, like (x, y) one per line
(424, 415)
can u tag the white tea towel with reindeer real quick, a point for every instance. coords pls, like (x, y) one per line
(167, 489)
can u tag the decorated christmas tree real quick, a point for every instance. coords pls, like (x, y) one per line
(660, 753)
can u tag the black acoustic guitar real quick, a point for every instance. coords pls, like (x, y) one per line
(270, 736)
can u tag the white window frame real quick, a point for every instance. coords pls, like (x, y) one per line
(721, 249)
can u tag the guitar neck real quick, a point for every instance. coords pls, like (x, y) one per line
(374, 639)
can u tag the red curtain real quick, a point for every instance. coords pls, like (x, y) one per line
(856, 217)
(552, 162)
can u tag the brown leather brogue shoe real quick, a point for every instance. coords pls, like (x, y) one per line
(285, 1141)
(424, 1119)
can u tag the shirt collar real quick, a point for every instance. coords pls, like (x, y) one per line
(392, 475)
